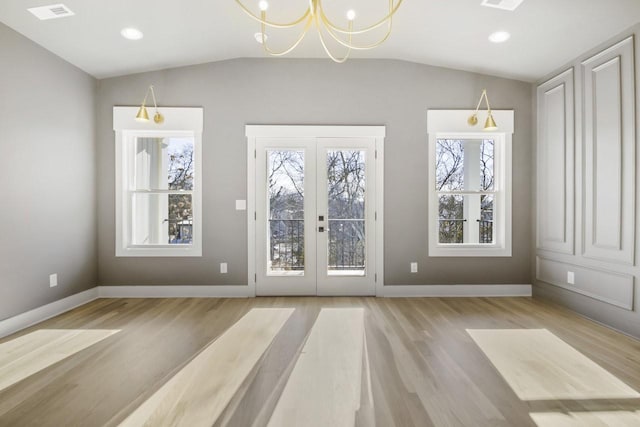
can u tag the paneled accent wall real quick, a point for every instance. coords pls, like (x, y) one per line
(586, 185)
(618, 290)
(556, 160)
(609, 154)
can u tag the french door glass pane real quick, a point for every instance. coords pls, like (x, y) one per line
(161, 219)
(285, 195)
(346, 183)
(164, 163)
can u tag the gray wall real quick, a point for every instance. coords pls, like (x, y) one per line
(280, 91)
(605, 280)
(47, 147)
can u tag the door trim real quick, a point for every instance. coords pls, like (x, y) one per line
(299, 131)
(302, 131)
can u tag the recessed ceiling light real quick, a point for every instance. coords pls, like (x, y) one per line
(509, 5)
(499, 37)
(131, 33)
(260, 38)
(51, 12)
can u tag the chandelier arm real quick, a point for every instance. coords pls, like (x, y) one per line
(392, 10)
(264, 21)
(326, 49)
(293, 46)
(351, 45)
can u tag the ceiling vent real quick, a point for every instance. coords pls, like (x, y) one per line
(52, 11)
(510, 5)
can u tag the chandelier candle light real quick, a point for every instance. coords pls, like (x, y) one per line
(143, 115)
(489, 124)
(315, 16)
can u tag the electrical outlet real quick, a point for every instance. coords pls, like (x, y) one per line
(223, 267)
(571, 278)
(414, 267)
(53, 280)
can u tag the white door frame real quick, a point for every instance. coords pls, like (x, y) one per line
(253, 132)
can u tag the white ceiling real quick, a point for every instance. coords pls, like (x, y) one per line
(452, 33)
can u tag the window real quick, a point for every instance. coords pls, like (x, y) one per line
(469, 186)
(158, 184)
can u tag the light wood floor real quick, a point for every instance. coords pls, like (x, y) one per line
(319, 362)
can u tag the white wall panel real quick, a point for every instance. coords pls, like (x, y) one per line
(606, 286)
(556, 160)
(609, 154)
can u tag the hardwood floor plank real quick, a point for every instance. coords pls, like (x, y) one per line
(588, 419)
(418, 365)
(26, 355)
(255, 401)
(540, 366)
(199, 392)
(327, 374)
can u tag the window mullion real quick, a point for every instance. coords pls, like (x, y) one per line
(465, 193)
(161, 191)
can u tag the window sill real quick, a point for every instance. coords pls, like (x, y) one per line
(159, 252)
(469, 251)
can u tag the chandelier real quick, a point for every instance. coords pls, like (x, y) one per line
(315, 16)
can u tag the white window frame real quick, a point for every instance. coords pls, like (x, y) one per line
(452, 124)
(178, 122)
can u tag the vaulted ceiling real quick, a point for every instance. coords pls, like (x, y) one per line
(545, 34)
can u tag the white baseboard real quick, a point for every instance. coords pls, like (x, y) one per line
(246, 291)
(175, 291)
(457, 291)
(40, 314)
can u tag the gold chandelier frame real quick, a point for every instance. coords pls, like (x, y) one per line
(316, 16)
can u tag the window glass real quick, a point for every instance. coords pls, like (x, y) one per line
(465, 184)
(285, 188)
(164, 163)
(449, 165)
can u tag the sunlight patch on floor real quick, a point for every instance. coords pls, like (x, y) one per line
(199, 392)
(587, 419)
(324, 386)
(31, 353)
(540, 366)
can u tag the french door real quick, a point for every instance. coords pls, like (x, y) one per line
(315, 216)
